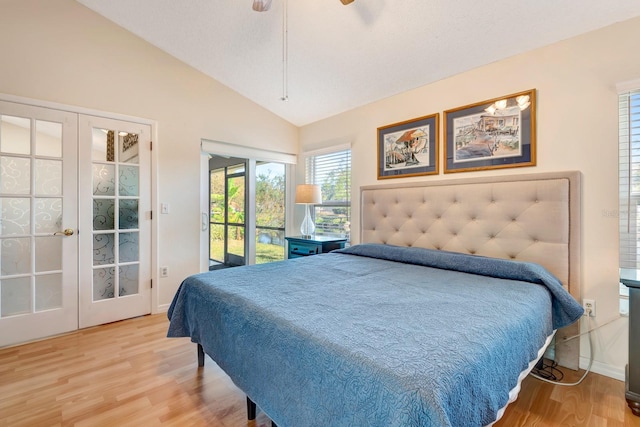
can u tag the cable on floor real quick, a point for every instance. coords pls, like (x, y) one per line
(542, 376)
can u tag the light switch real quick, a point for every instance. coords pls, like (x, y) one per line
(164, 208)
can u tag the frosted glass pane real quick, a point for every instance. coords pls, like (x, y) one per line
(128, 280)
(103, 283)
(104, 180)
(15, 216)
(48, 215)
(15, 175)
(103, 218)
(128, 147)
(129, 180)
(15, 256)
(15, 135)
(48, 253)
(48, 292)
(128, 247)
(103, 249)
(48, 177)
(128, 214)
(103, 147)
(48, 139)
(15, 296)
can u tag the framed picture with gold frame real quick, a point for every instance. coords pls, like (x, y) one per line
(409, 148)
(493, 134)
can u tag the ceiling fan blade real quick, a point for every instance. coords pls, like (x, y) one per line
(346, 2)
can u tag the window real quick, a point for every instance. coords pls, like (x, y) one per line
(629, 185)
(332, 171)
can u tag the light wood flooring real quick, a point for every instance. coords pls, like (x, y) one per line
(128, 374)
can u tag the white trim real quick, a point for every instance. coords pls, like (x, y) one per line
(77, 110)
(628, 86)
(233, 150)
(326, 150)
(607, 370)
(162, 308)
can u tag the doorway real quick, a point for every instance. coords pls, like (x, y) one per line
(247, 203)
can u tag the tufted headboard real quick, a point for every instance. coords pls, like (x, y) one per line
(533, 217)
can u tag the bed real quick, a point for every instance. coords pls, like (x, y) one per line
(455, 291)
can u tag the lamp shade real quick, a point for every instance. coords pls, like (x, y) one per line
(308, 193)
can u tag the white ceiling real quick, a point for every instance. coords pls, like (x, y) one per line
(341, 57)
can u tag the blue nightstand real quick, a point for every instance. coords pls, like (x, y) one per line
(631, 279)
(300, 246)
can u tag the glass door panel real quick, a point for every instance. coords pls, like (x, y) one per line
(117, 157)
(115, 184)
(227, 245)
(38, 188)
(235, 216)
(270, 212)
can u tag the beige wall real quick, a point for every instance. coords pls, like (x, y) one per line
(62, 52)
(577, 130)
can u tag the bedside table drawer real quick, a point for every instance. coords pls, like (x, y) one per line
(304, 249)
(300, 246)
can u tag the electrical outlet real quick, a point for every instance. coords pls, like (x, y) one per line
(164, 271)
(589, 306)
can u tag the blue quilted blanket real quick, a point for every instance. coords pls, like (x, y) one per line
(374, 335)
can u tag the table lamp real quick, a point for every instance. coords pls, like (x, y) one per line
(308, 194)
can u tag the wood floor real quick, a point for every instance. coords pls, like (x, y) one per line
(128, 374)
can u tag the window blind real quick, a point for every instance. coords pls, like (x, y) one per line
(629, 176)
(332, 171)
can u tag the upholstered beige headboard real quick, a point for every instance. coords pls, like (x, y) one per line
(533, 218)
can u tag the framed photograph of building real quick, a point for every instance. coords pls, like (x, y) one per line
(408, 148)
(493, 134)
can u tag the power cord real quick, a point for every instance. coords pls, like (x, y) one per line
(556, 380)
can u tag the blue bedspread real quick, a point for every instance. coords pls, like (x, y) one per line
(350, 338)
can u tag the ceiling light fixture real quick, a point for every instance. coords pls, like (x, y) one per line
(261, 5)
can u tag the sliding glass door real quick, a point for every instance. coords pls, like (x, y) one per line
(246, 204)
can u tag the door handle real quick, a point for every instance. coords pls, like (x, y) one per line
(205, 222)
(66, 232)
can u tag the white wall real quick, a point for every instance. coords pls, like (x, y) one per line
(577, 130)
(59, 51)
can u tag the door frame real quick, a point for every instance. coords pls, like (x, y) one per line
(154, 172)
(252, 155)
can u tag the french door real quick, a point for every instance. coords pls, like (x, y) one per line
(38, 223)
(115, 206)
(75, 221)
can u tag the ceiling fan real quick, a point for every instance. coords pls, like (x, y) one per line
(264, 5)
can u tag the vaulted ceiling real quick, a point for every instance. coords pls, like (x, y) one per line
(343, 56)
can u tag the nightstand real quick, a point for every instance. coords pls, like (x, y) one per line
(631, 279)
(300, 246)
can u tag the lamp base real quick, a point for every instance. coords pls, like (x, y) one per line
(308, 227)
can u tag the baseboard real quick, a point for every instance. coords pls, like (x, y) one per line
(603, 369)
(162, 308)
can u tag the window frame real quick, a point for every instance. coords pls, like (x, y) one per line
(310, 178)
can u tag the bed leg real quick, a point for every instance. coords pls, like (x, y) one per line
(251, 409)
(200, 355)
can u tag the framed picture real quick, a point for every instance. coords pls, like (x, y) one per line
(409, 148)
(493, 134)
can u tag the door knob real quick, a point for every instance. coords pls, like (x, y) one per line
(66, 232)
